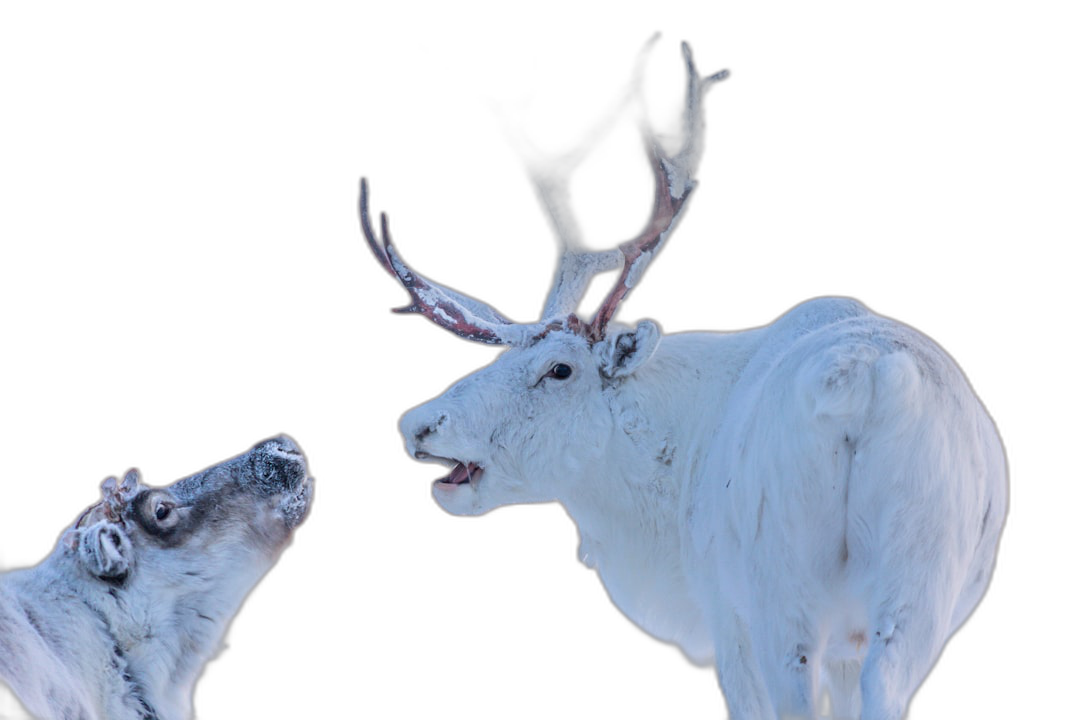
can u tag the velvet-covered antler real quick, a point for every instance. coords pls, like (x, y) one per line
(475, 320)
(674, 181)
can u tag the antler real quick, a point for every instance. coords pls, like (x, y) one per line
(464, 316)
(475, 320)
(114, 498)
(550, 174)
(674, 178)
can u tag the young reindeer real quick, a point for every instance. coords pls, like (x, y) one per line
(118, 622)
(813, 505)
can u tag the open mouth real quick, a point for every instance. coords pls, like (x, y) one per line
(462, 474)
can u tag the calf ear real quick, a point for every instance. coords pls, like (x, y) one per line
(105, 550)
(624, 352)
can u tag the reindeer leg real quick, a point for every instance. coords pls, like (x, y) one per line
(738, 669)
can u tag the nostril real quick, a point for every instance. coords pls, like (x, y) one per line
(430, 429)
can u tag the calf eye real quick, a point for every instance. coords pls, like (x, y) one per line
(158, 512)
(164, 512)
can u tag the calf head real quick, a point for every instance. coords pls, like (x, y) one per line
(197, 546)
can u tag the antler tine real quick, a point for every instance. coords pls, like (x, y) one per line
(674, 178)
(576, 265)
(550, 175)
(447, 308)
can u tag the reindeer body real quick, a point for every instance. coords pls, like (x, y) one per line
(840, 512)
(813, 505)
(791, 502)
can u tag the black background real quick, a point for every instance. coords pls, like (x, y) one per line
(189, 279)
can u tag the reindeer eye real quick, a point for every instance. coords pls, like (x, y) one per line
(560, 371)
(158, 512)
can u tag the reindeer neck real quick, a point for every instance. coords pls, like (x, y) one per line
(627, 508)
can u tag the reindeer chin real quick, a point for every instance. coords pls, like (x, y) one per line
(458, 492)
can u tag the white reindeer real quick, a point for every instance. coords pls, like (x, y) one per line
(813, 505)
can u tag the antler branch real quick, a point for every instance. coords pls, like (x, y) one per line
(464, 316)
(674, 181)
(577, 266)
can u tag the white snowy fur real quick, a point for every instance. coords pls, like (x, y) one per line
(814, 506)
(118, 622)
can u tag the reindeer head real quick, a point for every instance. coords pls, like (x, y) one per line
(213, 533)
(522, 428)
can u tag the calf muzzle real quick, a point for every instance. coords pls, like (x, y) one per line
(278, 465)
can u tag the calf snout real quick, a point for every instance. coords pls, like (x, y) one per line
(278, 464)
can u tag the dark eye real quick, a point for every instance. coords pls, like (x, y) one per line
(560, 371)
(158, 512)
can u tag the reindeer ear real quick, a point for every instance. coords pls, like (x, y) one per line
(105, 550)
(622, 353)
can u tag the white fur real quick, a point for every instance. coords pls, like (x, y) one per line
(813, 506)
(117, 623)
